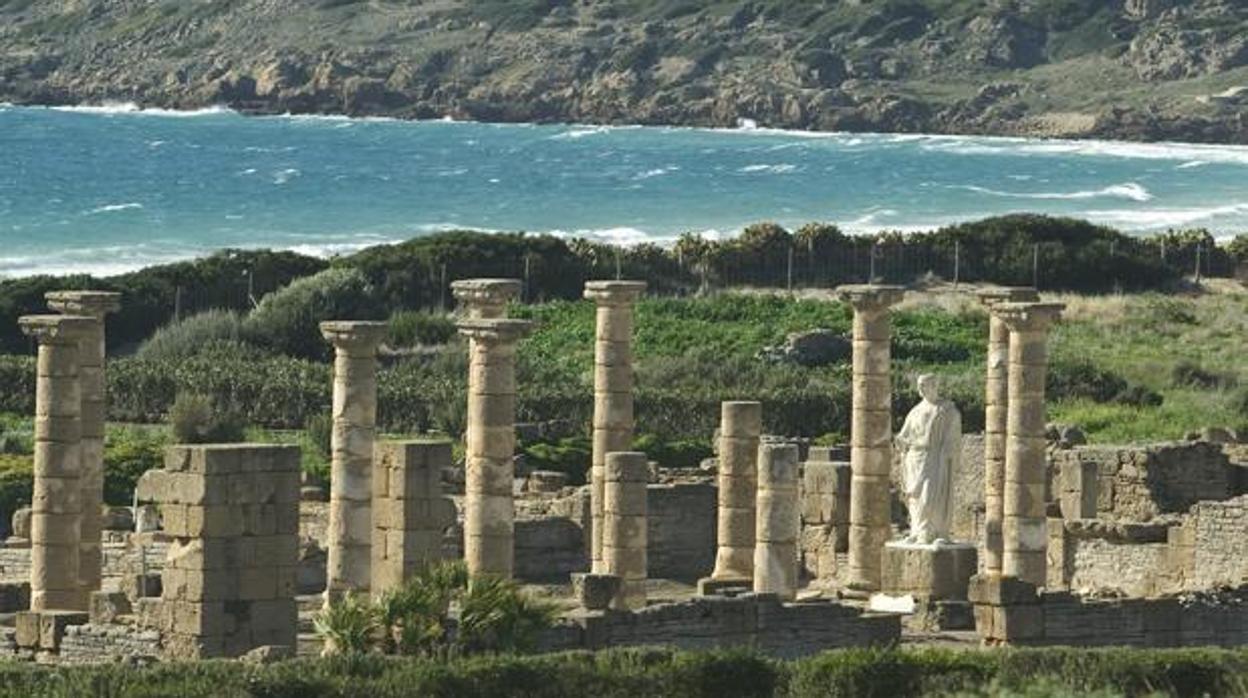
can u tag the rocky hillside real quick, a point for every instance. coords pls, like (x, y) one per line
(1132, 69)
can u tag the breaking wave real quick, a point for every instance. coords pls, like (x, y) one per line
(1129, 190)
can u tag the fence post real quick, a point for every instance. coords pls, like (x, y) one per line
(871, 273)
(524, 295)
(1198, 250)
(177, 303)
(1035, 265)
(790, 275)
(957, 263)
(617, 263)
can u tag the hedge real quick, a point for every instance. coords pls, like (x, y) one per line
(659, 673)
(1072, 255)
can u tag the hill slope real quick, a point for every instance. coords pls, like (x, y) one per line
(1134, 69)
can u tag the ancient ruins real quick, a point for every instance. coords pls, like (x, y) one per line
(776, 544)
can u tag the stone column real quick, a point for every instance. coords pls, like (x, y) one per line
(95, 305)
(871, 432)
(996, 399)
(1024, 529)
(775, 552)
(354, 432)
(741, 424)
(489, 510)
(484, 298)
(624, 526)
(613, 388)
(56, 504)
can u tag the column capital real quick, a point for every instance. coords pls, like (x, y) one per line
(57, 329)
(614, 292)
(995, 295)
(485, 298)
(94, 304)
(498, 330)
(1028, 317)
(870, 297)
(354, 336)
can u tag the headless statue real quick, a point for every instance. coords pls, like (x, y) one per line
(930, 442)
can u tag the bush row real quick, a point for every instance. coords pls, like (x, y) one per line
(858, 673)
(1066, 254)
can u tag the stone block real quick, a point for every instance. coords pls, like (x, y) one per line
(52, 626)
(938, 572)
(26, 626)
(595, 592)
(107, 606)
(725, 586)
(994, 590)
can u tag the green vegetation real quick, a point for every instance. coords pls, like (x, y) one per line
(237, 288)
(491, 615)
(659, 673)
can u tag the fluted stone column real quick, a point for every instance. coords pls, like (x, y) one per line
(56, 504)
(489, 510)
(95, 305)
(741, 424)
(613, 388)
(1024, 528)
(871, 432)
(354, 433)
(484, 298)
(775, 549)
(625, 475)
(996, 401)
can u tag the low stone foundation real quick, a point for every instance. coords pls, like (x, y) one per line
(756, 621)
(86, 644)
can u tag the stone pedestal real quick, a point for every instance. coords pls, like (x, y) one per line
(1007, 610)
(625, 476)
(56, 504)
(613, 388)
(778, 521)
(410, 514)
(871, 432)
(354, 431)
(229, 580)
(489, 509)
(95, 305)
(741, 425)
(996, 401)
(1024, 530)
(939, 572)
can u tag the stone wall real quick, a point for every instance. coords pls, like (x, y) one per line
(1139, 483)
(1168, 622)
(1211, 547)
(757, 621)
(84, 644)
(681, 530)
(1090, 555)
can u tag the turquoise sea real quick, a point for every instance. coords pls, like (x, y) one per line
(112, 188)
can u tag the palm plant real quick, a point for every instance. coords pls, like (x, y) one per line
(348, 625)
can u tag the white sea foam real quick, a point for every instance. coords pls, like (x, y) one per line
(130, 108)
(1159, 218)
(112, 208)
(284, 176)
(580, 132)
(656, 172)
(773, 169)
(1184, 152)
(1190, 164)
(1128, 190)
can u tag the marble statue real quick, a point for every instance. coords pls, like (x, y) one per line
(930, 443)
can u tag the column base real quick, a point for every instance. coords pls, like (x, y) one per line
(933, 572)
(725, 586)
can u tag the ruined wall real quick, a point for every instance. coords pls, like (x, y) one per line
(1169, 622)
(84, 644)
(1089, 555)
(681, 530)
(1210, 549)
(757, 621)
(1139, 483)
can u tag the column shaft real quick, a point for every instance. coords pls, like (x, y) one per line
(996, 401)
(1025, 532)
(741, 424)
(352, 437)
(778, 521)
(613, 390)
(624, 526)
(489, 509)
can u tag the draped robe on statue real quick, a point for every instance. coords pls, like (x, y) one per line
(932, 441)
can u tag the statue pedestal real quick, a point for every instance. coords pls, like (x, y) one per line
(928, 581)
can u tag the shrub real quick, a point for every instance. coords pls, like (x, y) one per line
(411, 328)
(17, 479)
(681, 453)
(1188, 374)
(288, 321)
(128, 453)
(195, 420)
(193, 335)
(571, 455)
(319, 430)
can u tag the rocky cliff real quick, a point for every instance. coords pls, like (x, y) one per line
(1130, 69)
